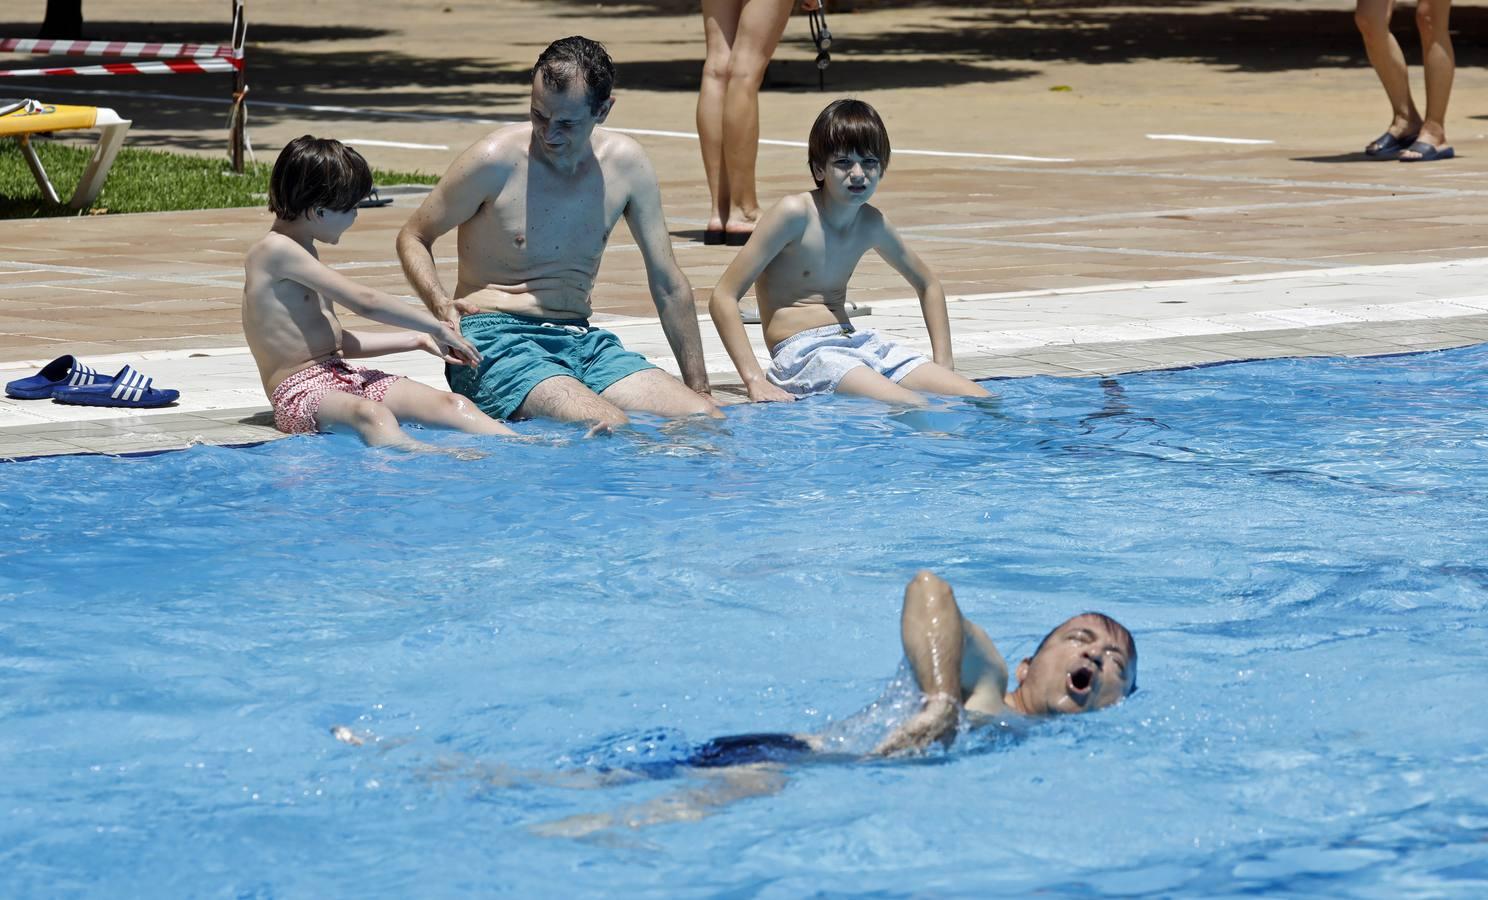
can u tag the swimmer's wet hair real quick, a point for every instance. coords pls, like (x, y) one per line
(1117, 629)
(847, 126)
(317, 173)
(578, 56)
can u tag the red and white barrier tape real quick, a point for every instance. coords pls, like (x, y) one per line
(158, 67)
(134, 49)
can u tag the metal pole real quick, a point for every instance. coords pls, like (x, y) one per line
(239, 114)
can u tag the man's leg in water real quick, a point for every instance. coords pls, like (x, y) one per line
(722, 787)
(567, 400)
(655, 391)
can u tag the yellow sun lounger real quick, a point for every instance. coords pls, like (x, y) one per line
(28, 117)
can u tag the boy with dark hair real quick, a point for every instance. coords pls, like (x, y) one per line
(800, 258)
(291, 325)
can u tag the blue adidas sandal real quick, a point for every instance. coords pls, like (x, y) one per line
(64, 371)
(128, 388)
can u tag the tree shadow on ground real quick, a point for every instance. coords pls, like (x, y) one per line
(639, 8)
(973, 43)
(1106, 31)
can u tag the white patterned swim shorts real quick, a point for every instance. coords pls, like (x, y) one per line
(813, 361)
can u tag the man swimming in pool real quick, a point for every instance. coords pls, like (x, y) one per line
(534, 205)
(1088, 662)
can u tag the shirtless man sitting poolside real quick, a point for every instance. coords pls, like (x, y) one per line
(534, 205)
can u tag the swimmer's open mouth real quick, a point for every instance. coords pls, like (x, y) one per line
(1080, 681)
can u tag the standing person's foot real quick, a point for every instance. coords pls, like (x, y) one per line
(740, 226)
(1387, 144)
(1425, 151)
(713, 234)
(1400, 135)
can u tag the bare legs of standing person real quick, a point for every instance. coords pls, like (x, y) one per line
(1407, 125)
(741, 37)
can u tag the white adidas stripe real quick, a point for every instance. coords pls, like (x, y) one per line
(131, 386)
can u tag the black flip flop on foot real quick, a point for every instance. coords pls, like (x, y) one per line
(1428, 153)
(1388, 144)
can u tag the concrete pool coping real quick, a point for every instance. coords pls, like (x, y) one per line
(1105, 331)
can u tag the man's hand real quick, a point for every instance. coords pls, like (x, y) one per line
(935, 722)
(452, 311)
(449, 345)
(762, 391)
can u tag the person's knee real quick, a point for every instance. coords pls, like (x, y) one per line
(456, 404)
(1372, 22)
(747, 69)
(1427, 18)
(716, 67)
(369, 415)
(700, 406)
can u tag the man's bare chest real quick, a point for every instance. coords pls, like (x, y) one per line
(541, 219)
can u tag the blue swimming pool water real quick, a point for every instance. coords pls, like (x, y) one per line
(1298, 546)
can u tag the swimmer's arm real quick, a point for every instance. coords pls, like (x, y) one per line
(785, 222)
(984, 673)
(892, 249)
(292, 262)
(934, 639)
(473, 179)
(670, 289)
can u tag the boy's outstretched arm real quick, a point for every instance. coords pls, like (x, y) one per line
(783, 223)
(361, 344)
(934, 638)
(892, 249)
(293, 262)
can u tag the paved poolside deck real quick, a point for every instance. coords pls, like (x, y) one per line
(1110, 251)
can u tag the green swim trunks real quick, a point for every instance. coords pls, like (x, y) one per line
(520, 351)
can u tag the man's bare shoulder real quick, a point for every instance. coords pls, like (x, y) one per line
(505, 144)
(494, 155)
(623, 154)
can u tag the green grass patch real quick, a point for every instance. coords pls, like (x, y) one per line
(140, 181)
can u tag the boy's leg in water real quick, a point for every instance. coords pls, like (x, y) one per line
(861, 381)
(411, 401)
(373, 422)
(936, 379)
